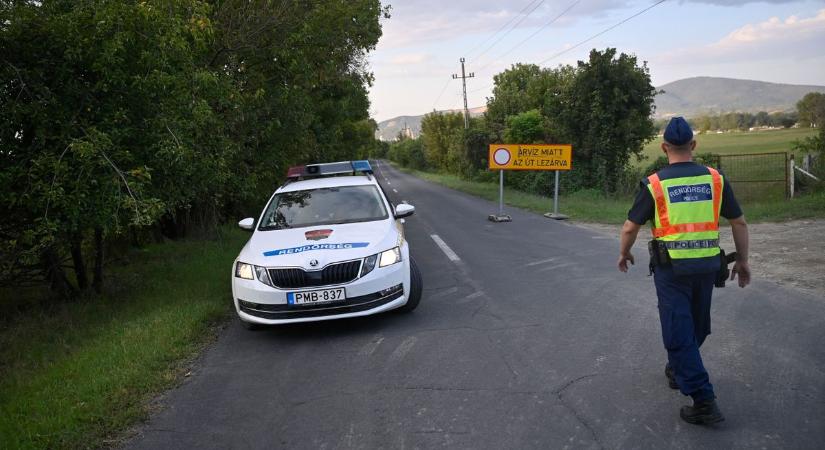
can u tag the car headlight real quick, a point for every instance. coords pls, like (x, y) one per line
(244, 270)
(369, 264)
(390, 257)
(263, 275)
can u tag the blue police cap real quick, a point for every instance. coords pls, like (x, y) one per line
(678, 131)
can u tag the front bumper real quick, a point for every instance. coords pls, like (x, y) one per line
(381, 290)
(365, 303)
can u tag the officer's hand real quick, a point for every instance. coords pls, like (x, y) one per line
(744, 270)
(623, 259)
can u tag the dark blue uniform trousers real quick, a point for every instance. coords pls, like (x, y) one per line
(684, 310)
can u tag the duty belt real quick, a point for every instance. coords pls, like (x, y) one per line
(688, 245)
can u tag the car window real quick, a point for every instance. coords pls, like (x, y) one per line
(344, 204)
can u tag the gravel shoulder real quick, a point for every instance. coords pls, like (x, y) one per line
(789, 253)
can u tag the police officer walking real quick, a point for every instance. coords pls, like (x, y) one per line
(684, 201)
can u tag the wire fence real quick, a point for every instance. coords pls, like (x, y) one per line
(756, 176)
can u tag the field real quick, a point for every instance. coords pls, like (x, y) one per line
(74, 375)
(738, 142)
(754, 177)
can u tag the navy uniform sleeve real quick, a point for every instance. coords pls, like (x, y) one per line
(642, 209)
(730, 207)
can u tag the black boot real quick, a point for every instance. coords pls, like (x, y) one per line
(702, 413)
(671, 377)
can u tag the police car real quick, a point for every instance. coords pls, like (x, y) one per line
(328, 245)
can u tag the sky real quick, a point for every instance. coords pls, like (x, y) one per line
(780, 41)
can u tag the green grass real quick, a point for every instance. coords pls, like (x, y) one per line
(585, 206)
(78, 374)
(738, 142)
(592, 206)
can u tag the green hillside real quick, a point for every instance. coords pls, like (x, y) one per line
(698, 95)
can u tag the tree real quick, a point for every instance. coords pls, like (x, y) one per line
(811, 110)
(119, 115)
(605, 112)
(441, 135)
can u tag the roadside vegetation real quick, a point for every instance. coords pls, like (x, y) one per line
(593, 206)
(129, 133)
(125, 121)
(73, 375)
(603, 107)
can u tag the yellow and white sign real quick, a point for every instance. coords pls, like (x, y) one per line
(531, 157)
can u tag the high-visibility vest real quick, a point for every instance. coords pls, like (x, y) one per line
(687, 214)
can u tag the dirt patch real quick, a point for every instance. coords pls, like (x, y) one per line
(790, 253)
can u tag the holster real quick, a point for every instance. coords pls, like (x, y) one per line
(724, 272)
(659, 257)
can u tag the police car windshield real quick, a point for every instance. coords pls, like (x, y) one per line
(344, 204)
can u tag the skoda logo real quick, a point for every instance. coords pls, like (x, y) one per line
(314, 263)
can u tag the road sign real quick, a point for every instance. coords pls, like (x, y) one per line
(531, 157)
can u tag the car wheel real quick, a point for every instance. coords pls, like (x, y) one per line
(416, 286)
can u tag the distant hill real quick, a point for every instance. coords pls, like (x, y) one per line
(699, 95)
(388, 130)
(689, 97)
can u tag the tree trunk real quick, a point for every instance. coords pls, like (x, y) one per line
(79, 265)
(55, 274)
(97, 284)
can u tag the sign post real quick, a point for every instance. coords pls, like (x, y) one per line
(529, 157)
(555, 214)
(501, 193)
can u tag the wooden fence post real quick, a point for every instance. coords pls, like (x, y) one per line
(791, 176)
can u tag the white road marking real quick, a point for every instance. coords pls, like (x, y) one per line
(555, 266)
(389, 182)
(543, 261)
(395, 190)
(402, 349)
(474, 295)
(445, 248)
(371, 346)
(443, 293)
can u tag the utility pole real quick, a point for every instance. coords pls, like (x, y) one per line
(464, 87)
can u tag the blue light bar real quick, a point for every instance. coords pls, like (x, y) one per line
(329, 169)
(362, 166)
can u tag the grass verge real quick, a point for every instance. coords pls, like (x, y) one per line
(78, 374)
(592, 206)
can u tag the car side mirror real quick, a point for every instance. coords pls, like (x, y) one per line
(247, 224)
(404, 210)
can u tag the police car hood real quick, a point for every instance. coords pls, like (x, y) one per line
(297, 247)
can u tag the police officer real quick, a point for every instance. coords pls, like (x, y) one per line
(683, 201)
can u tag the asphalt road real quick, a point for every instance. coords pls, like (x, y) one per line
(528, 337)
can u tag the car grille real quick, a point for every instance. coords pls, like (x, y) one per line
(338, 273)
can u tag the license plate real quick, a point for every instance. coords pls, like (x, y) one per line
(319, 296)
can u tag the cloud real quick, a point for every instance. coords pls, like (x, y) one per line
(422, 21)
(410, 58)
(738, 2)
(774, 38)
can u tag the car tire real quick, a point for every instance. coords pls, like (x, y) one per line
(416, 286)
(249, 325)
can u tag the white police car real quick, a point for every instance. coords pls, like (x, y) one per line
(328, 245)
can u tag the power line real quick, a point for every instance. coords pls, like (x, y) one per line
(588, 39)
(442, 92)
(603, 31)
(470, 52)
(515, 25)
(542, 28)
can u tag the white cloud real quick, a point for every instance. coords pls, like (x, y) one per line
(772, 39)
(410, 58)
(420, 21)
